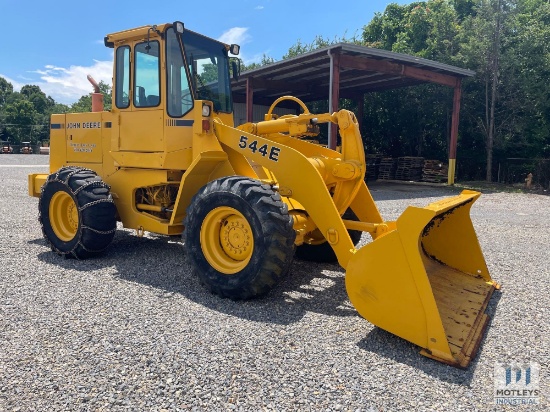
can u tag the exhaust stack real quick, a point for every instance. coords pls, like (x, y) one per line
(97, 96)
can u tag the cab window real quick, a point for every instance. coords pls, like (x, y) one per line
(180, 97)
(209, 68)
(147, 74)
(122, 84)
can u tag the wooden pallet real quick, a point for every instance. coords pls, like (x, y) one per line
(387, 168)
(409, 168)
(373, 166)
(435, 171)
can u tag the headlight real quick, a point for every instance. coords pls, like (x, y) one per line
(205, 110)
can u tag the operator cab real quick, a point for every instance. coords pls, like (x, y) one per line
(196, 68)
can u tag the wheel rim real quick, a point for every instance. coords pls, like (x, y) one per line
(227, 241)
(63, 216)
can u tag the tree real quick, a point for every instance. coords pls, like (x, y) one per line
(493, 65)
(383, 30)
(6, 88)
(464, 8)
(300, 48)
(37, 97)
(19, 117)
(413, 120)
(264, 61)
(482, 38)
(425, 29)
(488, 36)
(526, 70)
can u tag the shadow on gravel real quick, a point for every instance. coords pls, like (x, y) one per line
(39, 241)
(389, 346)
(382, 190)
(161, 263)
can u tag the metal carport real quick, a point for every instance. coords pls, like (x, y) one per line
(348, 71)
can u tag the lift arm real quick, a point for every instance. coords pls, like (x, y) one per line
(308, 178)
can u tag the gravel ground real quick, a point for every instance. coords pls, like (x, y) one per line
(134, 330)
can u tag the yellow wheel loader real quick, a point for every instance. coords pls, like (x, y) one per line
(167, 159)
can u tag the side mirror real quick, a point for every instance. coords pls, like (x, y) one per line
(235, 67)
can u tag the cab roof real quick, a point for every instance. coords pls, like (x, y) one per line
(141, 33)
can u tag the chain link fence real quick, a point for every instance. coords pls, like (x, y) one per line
(17, 148)
(516, 170)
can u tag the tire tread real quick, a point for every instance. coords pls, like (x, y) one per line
(97, 222)
(275, 221)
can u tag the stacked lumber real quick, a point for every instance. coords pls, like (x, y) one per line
(409, 168)
(373, 166)
(387, 168)
(435, 171)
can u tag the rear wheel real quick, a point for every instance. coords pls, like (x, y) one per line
(239, 236)
(319, 250)
(77, 213)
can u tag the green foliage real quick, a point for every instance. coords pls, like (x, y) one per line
(505, 108)
(464, 8)
(37, 97)
(385, 28)
(426, 29)
(318, 42)
(506, 43)
(265, 60)
(526, 67)
(84, 104)
(300, 48)
(6, 89)
(19, 118)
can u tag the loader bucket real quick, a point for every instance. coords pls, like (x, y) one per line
(426, 280)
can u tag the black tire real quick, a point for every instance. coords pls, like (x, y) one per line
(94, 205)
(323, 252)
(272, 234)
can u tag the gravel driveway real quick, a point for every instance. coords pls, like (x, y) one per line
(134, 330)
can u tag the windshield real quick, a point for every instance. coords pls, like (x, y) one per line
(209, 68)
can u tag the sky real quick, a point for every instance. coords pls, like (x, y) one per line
(55, 44)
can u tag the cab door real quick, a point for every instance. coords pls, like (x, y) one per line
(141, 127)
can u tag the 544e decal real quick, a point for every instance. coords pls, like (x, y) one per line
(265, 150)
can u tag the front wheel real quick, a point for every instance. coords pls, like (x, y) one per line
(239, 236)
(77, 213)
